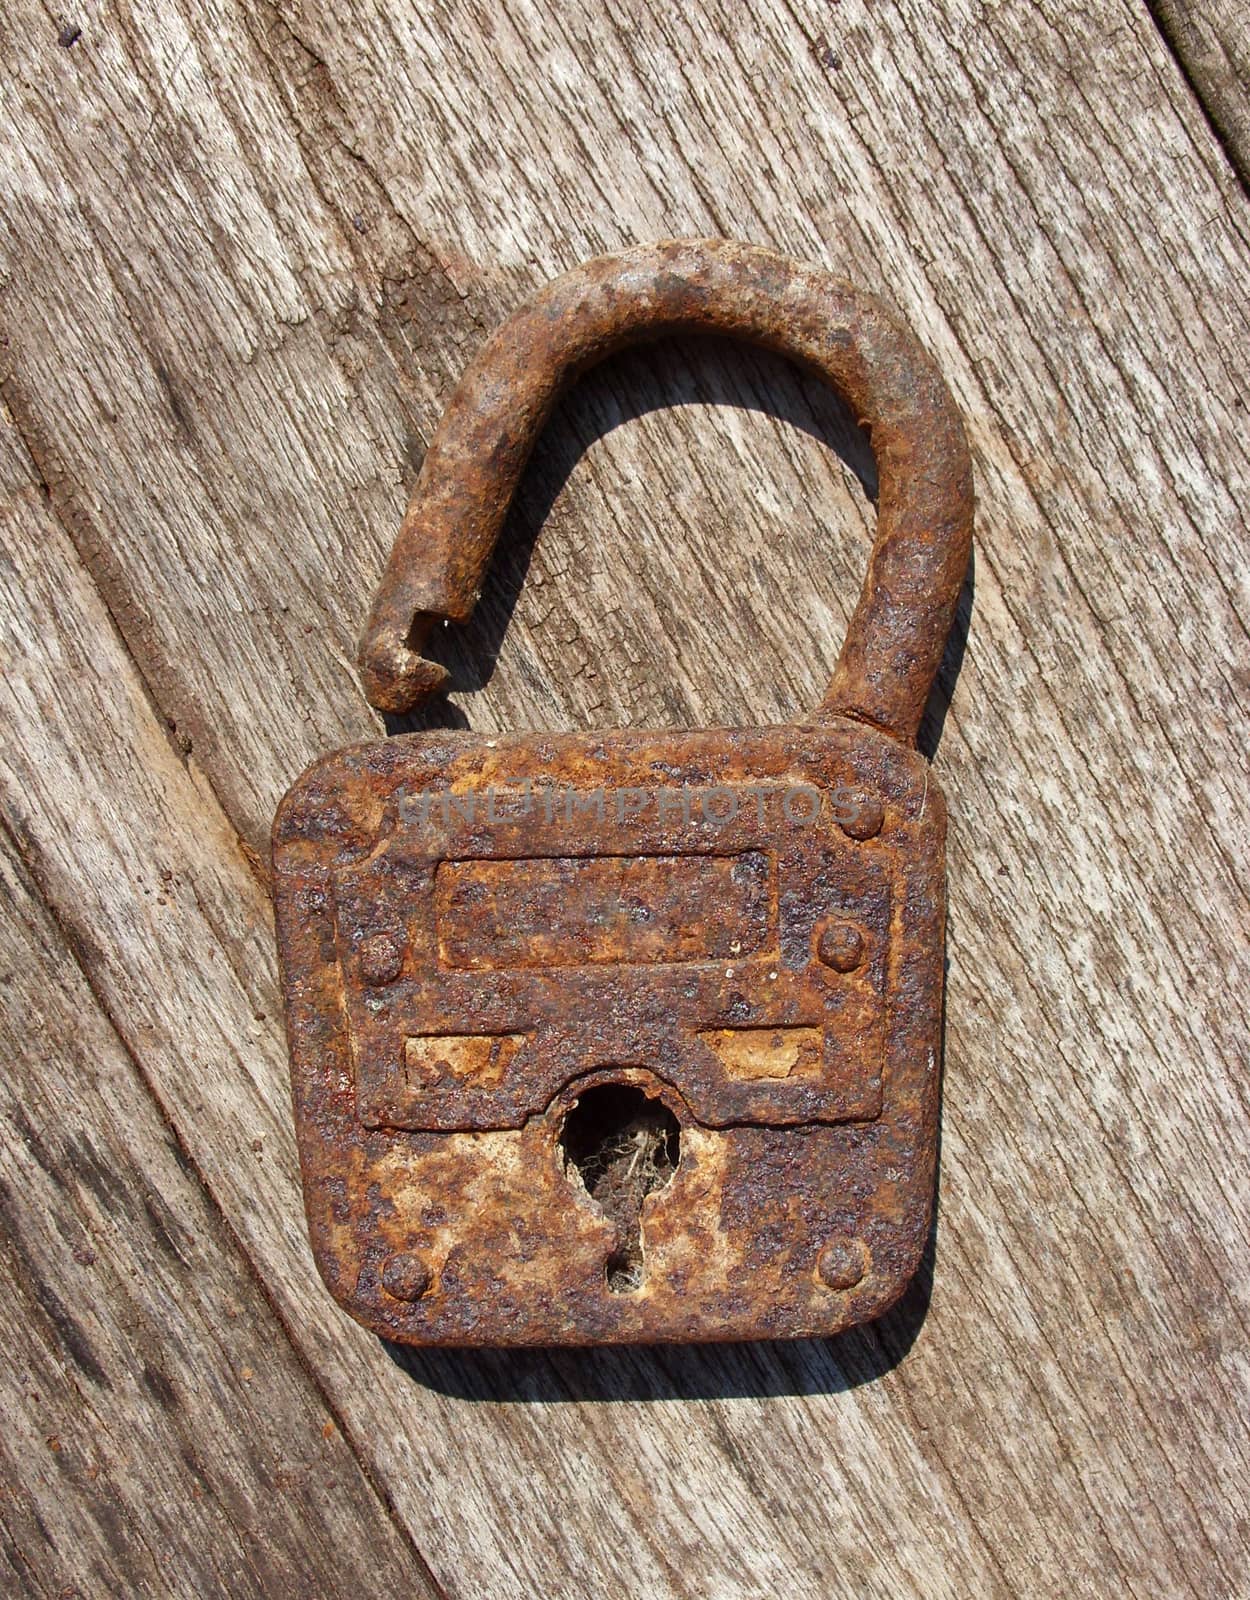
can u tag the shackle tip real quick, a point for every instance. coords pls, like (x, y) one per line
(393, 673)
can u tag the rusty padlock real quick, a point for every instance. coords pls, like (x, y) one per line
(632, 1036)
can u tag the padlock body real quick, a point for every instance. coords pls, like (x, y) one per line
(742, 927)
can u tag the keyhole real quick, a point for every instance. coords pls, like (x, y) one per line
(624, 1146)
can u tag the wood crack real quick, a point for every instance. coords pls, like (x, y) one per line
(108, 581)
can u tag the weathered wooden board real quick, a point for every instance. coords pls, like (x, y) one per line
(247, 252)
(161, 1436)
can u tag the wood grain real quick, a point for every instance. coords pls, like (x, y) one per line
(161, 1436)
(248, 249)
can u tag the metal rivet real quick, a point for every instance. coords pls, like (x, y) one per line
(381, 957)
(405, 1277)
(841, 946)
(864, 815)
(843, 1262)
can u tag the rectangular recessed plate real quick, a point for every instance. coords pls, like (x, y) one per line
(565, 911)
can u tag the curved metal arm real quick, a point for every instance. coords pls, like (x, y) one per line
(894, 643)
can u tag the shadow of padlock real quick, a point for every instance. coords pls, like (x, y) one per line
(632, 1036)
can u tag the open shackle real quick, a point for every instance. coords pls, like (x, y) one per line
(896, 636)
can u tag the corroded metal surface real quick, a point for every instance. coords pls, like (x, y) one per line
(895, 640)
(632, 1036)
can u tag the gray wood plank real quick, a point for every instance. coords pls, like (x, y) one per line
(161, 1436)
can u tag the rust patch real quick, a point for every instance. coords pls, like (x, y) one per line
(632, 1036)
(428, 1058)
(767, 1052)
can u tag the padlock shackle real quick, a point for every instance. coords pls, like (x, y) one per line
(896, 637)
